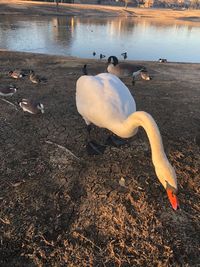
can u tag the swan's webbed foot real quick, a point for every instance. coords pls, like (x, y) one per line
(93, 148)
(115, 141)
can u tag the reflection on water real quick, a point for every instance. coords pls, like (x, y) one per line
(143, 39)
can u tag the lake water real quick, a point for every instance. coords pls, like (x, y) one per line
(142, 39)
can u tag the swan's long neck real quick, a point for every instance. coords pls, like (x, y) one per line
(165, 172)
(140, 118)
(145, 120)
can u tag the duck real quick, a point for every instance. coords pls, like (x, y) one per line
(8, 91)
(145, 75)
(124, 55)
(36, 78)
(32, 106)
(124, 69)
(16, 74)
(105, 101)
(162, 60)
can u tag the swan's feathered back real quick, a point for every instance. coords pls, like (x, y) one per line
(103, 100)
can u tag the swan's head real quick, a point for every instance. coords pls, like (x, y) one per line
(167, 176)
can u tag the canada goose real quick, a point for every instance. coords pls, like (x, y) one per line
(124, 55)
(102, 56)
(8, 91)
(31, 106)
(124, 69)
(105, 101)
(16, 74)
(84, 70)
(36, 78)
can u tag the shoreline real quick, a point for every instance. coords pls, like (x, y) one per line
(74, 58)
(20, 7)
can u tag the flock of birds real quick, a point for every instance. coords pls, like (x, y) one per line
(105, 101)
(29, 105)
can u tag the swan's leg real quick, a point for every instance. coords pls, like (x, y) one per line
(89, 128)
(93, 148)
(116, 141)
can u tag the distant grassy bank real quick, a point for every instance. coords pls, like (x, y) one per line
(44, 8)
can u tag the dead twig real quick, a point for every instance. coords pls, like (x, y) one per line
(46, 241)
(15, 184)
(10, 103)
(63, 148)
(5, 221)
(88, 240)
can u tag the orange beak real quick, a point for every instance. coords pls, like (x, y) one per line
(173, 199)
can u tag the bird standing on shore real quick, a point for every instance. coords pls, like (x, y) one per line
(84, 70)
(36, 78)
(32, 106)
(105, 101)
(16, 74)
(162, 60)
(125, 69)
(124, 55)
(8, 91)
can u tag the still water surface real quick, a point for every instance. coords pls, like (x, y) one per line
(143, 39)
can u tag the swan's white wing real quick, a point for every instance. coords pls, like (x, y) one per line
(103, 100)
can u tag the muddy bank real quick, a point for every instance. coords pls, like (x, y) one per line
(60, 211)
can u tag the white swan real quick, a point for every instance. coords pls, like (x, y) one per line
(105, 101)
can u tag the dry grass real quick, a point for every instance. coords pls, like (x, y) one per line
(162, 15)
(60, 211)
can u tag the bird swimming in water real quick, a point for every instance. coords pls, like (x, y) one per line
(124, 55)
(102, 56)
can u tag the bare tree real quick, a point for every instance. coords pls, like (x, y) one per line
(126, 2)
(195, 4)
(57, 3)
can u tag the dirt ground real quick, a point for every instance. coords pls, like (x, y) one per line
(57, 210)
